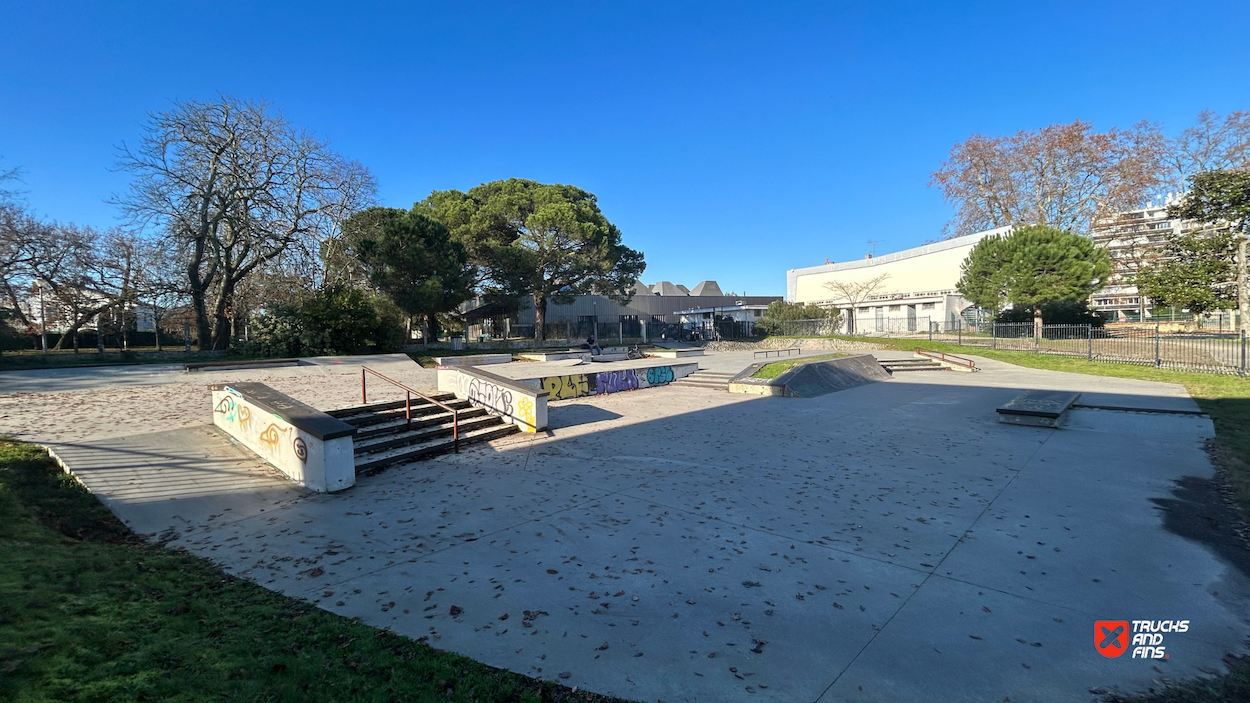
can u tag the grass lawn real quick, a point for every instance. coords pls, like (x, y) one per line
(88, 612)
(777, 368)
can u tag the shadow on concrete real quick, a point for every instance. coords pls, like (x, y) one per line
(570, 413)
(692, 545)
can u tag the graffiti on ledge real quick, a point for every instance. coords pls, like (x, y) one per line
(271, 441)
(491, 396)
(585, 384)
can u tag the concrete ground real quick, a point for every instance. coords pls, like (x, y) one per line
(889, 542)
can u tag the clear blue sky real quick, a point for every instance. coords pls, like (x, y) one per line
(727, 140)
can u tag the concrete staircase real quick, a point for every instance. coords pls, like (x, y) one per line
(899, 365)
(714, 380)
(383, 437)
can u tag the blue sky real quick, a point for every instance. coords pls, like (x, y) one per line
(727, 140)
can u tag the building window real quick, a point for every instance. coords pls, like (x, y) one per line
(926, 306)
(895, 308)
(629, 318)
(759, 313)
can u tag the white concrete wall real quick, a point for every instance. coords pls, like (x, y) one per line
(926, 271)
(522, 405)
(321, 465)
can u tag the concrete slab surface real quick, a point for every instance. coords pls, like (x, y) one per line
(890, 542)
(176, 479)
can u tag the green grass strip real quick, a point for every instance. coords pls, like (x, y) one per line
(777, 368)
(89, 612)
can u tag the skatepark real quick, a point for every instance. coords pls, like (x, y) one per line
(889, 541)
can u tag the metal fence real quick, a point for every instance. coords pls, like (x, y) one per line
(1209, 351)
(577, 331)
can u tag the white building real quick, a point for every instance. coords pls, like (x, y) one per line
(918, 290)
(1136, 238)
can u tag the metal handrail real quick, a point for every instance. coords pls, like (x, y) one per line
(948, 358)
(455, 415)
(766, 352)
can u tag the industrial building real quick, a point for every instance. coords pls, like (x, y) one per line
(914, 289)
(664, 308)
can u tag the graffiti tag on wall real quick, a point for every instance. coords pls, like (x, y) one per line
(580, 385)
(488, 395)
(565, 387)
(273, 439)
(659, 375)
(615, 381)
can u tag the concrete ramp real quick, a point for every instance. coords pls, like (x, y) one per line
(821, 377)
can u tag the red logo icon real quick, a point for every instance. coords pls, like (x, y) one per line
(1111, 637)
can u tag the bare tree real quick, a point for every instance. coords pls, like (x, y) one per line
(1212, 144)
(235, 186)
(1062, 176)
(856, 292)
(20, 236)
(160, 285)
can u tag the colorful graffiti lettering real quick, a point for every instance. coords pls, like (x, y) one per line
(301, 449)
(659, 375)
(616, 381)
(565, 387)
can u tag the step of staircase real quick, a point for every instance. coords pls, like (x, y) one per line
(373, 462)
(372, 408)
(386, 438)
(390, 415)
(715, 380)
(401, 437)
(399, 423)
(898, 365)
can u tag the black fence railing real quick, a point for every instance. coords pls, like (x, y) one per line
(1207, 351)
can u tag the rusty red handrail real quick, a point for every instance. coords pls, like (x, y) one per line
(948, 358)
(455, 416)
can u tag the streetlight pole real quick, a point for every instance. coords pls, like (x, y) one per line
(43, 318)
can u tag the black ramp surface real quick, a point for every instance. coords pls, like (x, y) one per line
(821, 377)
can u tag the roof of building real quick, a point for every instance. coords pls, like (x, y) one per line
(667, 288)
(724, 308)
(707, 288)
(901, 255)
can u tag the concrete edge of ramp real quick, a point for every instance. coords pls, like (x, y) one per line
(171, 478)
(811, 379)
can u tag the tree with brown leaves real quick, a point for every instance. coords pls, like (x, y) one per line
(1061, 176)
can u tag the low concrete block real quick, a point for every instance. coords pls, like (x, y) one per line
(515, 401)
(555, 355)
(675, 353)
(312, 448)
(1038, 408)
(473, 360)
(583, 382)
